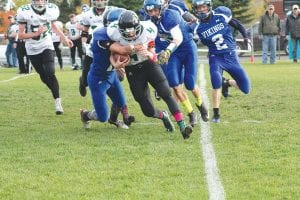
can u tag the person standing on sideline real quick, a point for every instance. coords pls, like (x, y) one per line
(72, 27)
(11, 53)
(38, 20)
(56, 44)
(269, 28)
(293, 30)
(214, 31)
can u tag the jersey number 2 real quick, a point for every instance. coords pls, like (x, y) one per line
(218, 40)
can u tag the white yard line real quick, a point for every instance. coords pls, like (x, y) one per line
(215, 187)
(16, 77)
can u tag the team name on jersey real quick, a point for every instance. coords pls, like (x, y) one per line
(209, 32)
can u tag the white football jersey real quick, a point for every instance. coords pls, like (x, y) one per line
(92, 19)
(55, 37)
(27, 15)
(147, 35)
(73, 31)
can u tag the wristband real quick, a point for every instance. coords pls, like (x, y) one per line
(172, 47)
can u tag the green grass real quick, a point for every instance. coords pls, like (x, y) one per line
(43, 156)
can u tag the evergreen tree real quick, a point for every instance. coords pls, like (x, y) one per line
(65, 9)
(134, 5)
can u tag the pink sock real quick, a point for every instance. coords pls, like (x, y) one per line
(178, 116)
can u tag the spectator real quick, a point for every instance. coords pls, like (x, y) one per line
(269, 28)
(293, 29)
(11, 53)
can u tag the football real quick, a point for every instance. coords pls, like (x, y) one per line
(121, 57)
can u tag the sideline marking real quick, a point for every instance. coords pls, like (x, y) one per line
(16, 77)
(215, 187)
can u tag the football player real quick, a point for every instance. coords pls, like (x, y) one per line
(91, 19)
(177, 54)
(74, 35)
(103, 79)
(143, 70)
(36, 20)
(214, 31)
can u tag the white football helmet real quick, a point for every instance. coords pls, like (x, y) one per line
(39, 5)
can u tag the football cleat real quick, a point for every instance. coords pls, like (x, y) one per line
(186, 131)
(82, 88)
(118, 124)
(84, 118)
(58, 107)
(203, 111)
(192, 118)
(129, 120)
(167, 122)
(216, 119)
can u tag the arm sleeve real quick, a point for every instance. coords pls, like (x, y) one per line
(260, 27)
(237, 25)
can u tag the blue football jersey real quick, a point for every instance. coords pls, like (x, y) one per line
(216, 34)
(168, 20)
(101, 63)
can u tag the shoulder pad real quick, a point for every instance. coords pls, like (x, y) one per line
(100, 34)
(223, 10)
(23, 12)
(170, 19)
(150, 29)
(52, 11)
(113, 31)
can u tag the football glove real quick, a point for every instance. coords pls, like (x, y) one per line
(163, 57)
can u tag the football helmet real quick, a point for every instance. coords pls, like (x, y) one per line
(84, 7)
(39, 5)
(112, 15)
(197, 3)
(100, 4)
(151, 4)
(129, 25)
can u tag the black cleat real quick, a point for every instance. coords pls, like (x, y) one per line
(84, 118)
(186, 132)
(82, 88)
(167, 122)
(203, 111)
(129, 120)
(192, 118)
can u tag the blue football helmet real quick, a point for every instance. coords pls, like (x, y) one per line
(201, 15)
(112, 15)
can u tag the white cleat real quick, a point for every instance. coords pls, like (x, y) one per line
(58, 107)
(119, 124)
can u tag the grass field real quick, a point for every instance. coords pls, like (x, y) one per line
(44, 156)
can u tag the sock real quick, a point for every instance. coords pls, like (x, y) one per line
(92, 115)
(199, 101)
(178, 116)
(181, 124)
(216, 111)
(187, 105)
